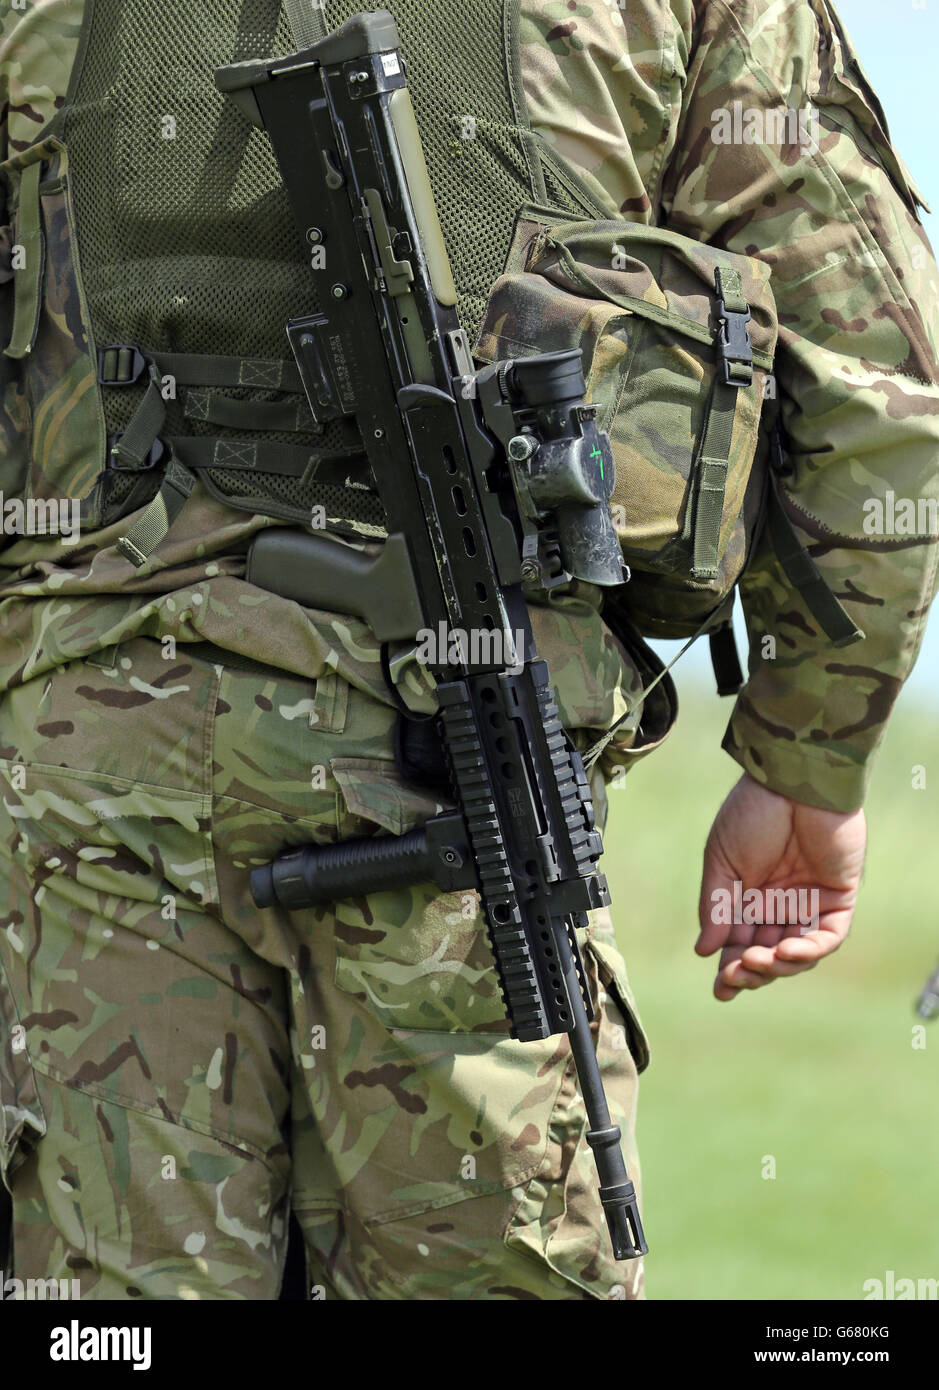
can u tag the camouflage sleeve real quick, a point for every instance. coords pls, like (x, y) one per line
(833, 211)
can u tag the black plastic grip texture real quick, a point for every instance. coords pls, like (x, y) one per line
(317, 874)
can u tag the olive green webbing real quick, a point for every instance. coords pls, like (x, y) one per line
(302, 23)
(187, 246)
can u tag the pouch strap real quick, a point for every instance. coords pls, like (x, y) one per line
(28, 278)
(725, 660)
(734, 370)
(133, 448)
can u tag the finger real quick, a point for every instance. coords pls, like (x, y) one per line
(761, 960)
(813, 946)
(735, 977)
(715, 884)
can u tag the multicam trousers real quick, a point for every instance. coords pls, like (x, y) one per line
(179, 1069)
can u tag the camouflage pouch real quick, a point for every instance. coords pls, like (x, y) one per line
(52, 430)
(678, 341)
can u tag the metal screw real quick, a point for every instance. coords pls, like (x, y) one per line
(530, 571)
(314, 235)
(521, 447)
(340, 291)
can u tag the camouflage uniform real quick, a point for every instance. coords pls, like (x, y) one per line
(359, 1068)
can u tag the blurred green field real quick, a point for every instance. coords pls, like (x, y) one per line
(818, 1071)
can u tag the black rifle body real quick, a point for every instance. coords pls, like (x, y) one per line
(388, 349)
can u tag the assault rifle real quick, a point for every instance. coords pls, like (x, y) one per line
(488, 479)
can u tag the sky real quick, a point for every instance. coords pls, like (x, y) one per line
(898, 45)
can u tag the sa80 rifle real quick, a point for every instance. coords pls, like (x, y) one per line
(489, 479)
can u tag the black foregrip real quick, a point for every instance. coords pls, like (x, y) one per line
(311, 876)
(317, 874)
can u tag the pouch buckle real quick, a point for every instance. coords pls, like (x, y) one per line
(735, 352)
(121, 364)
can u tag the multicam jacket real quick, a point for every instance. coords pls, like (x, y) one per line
(667, 112)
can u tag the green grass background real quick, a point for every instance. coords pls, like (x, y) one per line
(818, 1071)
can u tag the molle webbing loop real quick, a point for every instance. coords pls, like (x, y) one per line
(28, 278)
(122, 365)
(255, 456)
(285, 416)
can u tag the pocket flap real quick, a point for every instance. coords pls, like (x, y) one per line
(374, 790)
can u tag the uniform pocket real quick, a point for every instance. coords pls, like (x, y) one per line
(611, 970)
(416, 957)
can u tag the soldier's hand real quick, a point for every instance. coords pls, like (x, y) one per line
(764, 842)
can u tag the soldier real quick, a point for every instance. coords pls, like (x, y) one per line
(179, 1070)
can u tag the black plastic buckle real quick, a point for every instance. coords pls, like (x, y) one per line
(153, 460)
(733, 344)
(120, 365)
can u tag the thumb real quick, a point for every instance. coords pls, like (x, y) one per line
(716, 890)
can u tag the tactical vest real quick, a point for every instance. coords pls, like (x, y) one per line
(161, 265)
(162, 262)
